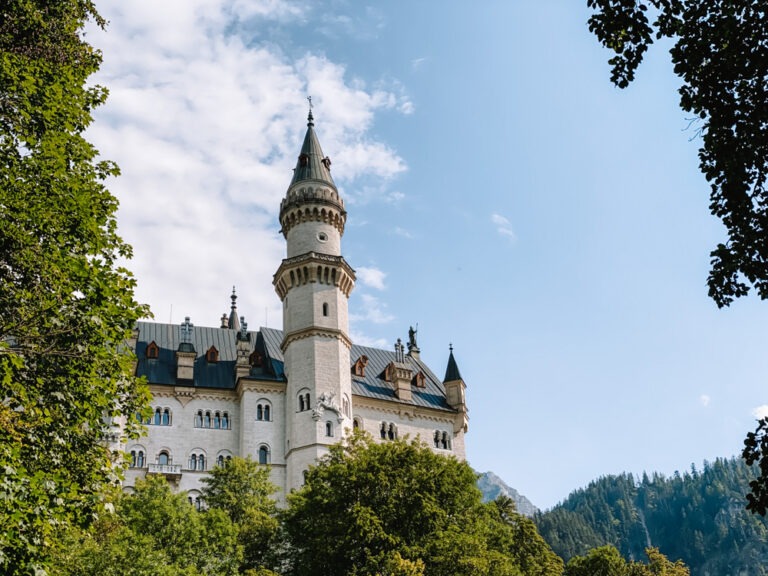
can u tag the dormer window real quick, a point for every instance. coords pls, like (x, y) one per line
(420, 381)
(389, 372)
(358, 368)
(303, 159)
(153, 350)
(212, 356)
(255, 359)
(326, 162)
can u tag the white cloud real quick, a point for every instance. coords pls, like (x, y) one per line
(704, 400)
(402, 232)
(760, 412)
(370, 310)
(205, 122)
(371, 277)
(503, 226)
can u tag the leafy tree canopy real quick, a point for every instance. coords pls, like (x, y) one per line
(153, 531)
(720, 52)
(399, 508)
(242, 489)
(66, 305)
(756, 452)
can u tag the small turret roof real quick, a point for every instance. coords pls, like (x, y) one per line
(234, 322)
(452, 371)
(312, 163)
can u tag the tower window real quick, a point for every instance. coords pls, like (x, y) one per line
(264, 411)
(263, 454)
(322, 236)
(329, 428)
(212, 356)
(325, 308)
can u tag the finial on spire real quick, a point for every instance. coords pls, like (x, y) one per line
(310, 118)
(450, 346)
(234, 298)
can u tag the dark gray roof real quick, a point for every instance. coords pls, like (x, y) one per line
(267, 342)
(312, 167)
(452, 371)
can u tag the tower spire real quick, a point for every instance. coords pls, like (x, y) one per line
(234, 322)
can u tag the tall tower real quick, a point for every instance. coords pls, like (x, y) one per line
(314, 283)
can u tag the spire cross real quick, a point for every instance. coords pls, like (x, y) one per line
(309, 98)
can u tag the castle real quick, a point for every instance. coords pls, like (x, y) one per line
(283, 397)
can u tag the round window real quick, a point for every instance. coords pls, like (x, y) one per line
(322, 236)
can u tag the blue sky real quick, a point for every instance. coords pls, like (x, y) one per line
(502, 195)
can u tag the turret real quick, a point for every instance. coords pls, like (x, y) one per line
(314, 283)
(455, 393)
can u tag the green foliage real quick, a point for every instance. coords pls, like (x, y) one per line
(756, 452)
(607, 561)
(399, 508)
(154, 531)
(602, 561)
(242, 490)
(66, 306)
(719, 52)
(697, 516)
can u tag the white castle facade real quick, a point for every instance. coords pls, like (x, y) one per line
(283, 397)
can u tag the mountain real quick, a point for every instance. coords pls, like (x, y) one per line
(698, 517)
(492, 487)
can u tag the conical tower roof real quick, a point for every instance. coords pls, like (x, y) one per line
(452, 371)
(312, 163)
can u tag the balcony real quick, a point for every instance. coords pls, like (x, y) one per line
(170, 471)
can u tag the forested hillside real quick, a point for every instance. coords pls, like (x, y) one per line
(698, 517)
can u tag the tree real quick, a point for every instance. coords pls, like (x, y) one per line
(658, 565)
(394, 508)
(153, 531)
(720, 52)
(516, 536)
(242, 489)
(66, 305)
(602, 561)
(756, 451)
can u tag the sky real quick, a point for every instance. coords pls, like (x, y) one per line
(503, 197)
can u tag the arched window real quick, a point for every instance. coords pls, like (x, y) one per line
(207, 420)
(193, 462)
(263, 454)
(217, 420)
(140, 459)
(383, 430)
(392, 432)
(163, 458)
(201, 462)
(329, 428)
(225, 420)
(133, 458)
(356, 424)
(304, 401)
(158, 417)
(220, 460)
(437, 439)
(166, 417)
(445, 442)
(325, 309)
(267, 415)
(199, 419)
(259, 412)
